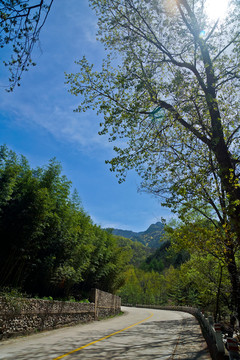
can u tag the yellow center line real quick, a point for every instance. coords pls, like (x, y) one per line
(103, 338)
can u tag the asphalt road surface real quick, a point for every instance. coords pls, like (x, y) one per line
(137, 334)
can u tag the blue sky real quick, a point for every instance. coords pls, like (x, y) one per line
(37, 120)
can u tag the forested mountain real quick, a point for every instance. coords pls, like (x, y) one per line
(152, 237)
(163, 258)
(139, 252)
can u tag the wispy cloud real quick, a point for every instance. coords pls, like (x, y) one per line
(59, 120)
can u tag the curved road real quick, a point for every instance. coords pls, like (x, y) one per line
(138, 334)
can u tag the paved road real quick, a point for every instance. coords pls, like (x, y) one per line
(138, 334)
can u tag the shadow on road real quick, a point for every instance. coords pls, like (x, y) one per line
(176, 339)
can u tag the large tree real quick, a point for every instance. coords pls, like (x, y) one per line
(20, 24)
(174, 101)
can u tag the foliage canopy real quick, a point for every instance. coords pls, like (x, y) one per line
(168, 64)
(173, 102)
(49, 245)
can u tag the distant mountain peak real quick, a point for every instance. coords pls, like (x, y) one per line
(150, 237)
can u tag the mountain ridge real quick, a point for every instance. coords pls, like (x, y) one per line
(151, 237)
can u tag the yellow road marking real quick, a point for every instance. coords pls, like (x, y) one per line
(103, 338)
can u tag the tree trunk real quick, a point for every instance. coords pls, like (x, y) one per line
(234, 278)
(217, 311)
(230, 183)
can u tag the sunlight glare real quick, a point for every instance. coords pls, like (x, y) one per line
(216, 9)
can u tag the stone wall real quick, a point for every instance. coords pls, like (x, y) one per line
(105, 304)
(24, 316)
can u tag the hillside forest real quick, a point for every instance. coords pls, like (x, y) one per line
(51, 248)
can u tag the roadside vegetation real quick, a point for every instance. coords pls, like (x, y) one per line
(49, 244)
(171, 106)
(51, 249)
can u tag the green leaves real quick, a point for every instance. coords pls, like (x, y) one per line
(163, 64)
(190, 156)
(143, 288)
(49, 245)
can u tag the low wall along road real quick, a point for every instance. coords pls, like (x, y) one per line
(24, 316)
(139, 334)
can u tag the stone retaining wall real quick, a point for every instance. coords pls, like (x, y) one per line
(24, 316)
(105, 304)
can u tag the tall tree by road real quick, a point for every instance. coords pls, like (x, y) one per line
(174, 100)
